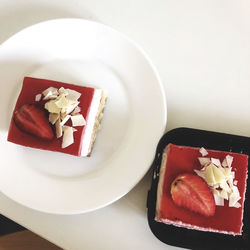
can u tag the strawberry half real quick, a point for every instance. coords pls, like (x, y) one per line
(33, 120)
(192, 192)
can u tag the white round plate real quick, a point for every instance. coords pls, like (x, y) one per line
(85, 53)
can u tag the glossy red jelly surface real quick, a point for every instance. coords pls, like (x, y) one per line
(33, 86)
(183, 159)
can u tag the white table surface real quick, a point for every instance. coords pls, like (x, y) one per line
(202, 51)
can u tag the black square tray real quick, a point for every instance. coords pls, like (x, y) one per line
(188, 238)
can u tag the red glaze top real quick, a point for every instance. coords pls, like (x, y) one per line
(33, 86)
(182, 159)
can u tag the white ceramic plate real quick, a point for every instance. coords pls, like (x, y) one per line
(84, 53)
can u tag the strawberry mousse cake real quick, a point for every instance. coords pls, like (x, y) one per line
(202, 189)
(57, 116)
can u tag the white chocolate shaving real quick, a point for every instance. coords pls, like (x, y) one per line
(203, 151)
(53, 117)
(219, 201)
(216, 162)
(204, 160)
(78, 120)
(54, 91)
(65, 119)
(73, 95)
(38, 97)
(68, 137)
(58, 129)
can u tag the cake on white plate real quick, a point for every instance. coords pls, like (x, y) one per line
(57, 116)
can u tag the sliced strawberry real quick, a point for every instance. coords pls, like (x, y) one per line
(33, 120)
(192, 192)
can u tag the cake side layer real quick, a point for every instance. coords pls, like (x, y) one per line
(97, 125)
(94, 118)
(194, 227)
(160, 183)
(181, 159)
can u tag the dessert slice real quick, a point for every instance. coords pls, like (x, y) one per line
(202, 189)
(57, 116)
